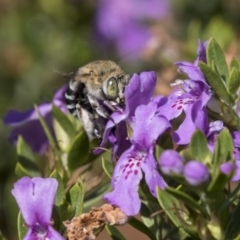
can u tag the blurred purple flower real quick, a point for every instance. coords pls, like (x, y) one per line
(35, 198)
(138, 158)
(138, 91)
(195, 173)
(227, 168)
(171, 162)
(28, 126)
(191, 97)
(122, 22)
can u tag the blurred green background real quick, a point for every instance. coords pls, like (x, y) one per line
(41, 39)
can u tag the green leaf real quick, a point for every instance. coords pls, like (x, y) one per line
(46, 129)
(216, 83)
(232, 229)
(234, 80)
(199, 148)
(215, 56)
(175, 211)
(114, 233)
(79, 151)
(60, 195)
(228, 116)
(235, 63)
(26, 160)
(108, 167)
(76, 194)
(22, 229)
(135, 223)
(189, 201)
(64, 121)
(223, 148)
(218, 182)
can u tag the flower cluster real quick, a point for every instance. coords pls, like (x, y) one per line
(186, 136)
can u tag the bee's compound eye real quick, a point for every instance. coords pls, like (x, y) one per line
(111, 90)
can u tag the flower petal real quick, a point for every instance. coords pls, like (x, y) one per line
(125, 183)
(147, 126)
(35, 198)
(152, 176)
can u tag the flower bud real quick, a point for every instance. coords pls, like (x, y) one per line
(171, 162)
(195, 173)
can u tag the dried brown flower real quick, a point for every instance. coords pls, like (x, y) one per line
(82, 227)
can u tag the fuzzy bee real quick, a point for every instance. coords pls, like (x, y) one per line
(94, 92)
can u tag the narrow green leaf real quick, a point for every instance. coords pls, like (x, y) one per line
(26, 160)
(189, 201)
(114, 233)
(135, 223)
(60, 195)
(232, 229)
(216, 83)
(46, 129)
(22, 229)
(173, 208)
(79, 151)
(108, 167)
(234, 80)
(215, 56)
(76, 198)
(64, 121)
(235, 63)
(199, 148)
(223, 148)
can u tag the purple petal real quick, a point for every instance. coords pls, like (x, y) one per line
(193, 72)
(171, 162)
(195, 173)
(35, 198)
(126, 178)
(186, 129)
(227, 168)
(236, 138)
(201, 52)
(152, 177)
(32, 132)
(147, 127)
(53, 234)
(15, 118)
(38, 233)
(236, 176)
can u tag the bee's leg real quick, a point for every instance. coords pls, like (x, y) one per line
(110, 105)
(88, 122)
(97, 107)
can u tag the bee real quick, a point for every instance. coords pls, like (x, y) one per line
(94, 92)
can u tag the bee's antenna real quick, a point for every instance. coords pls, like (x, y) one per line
(62, 73)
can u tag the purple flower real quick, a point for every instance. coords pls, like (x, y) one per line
(201, 52)
(147, 127)
(28, 126)
(195, 173)
(191, 98)
(227, 168)
(171, 162)
(35, 198)
(138, 91)
(121, 22)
